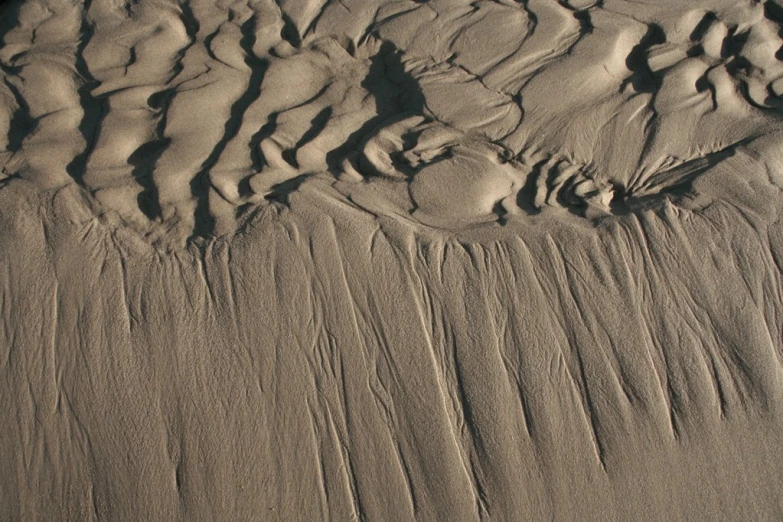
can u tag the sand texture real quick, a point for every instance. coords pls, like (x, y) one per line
(391, 260)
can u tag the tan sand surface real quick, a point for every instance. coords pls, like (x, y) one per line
(387, 260)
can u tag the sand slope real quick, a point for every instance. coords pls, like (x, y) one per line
(391, 260)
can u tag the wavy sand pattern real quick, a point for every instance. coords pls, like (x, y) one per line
(391, 259)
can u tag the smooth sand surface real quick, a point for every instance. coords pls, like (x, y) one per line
(391, 260)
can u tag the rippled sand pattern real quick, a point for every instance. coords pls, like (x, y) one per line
(391, 260)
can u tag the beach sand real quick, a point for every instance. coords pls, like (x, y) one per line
(391, 260)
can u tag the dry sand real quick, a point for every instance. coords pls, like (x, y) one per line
(391, 260)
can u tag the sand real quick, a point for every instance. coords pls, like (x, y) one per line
(391, 260)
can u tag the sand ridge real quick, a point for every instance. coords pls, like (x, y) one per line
(176, 119)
